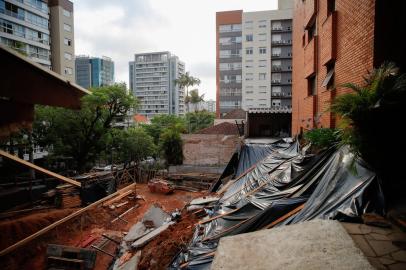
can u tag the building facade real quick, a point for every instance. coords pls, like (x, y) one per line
(254, 59)
(152, 79)
(228, 61)
(94, 71)
(336, 42)
(42, 30)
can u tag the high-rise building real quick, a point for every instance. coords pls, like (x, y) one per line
(42, 30)
(336, 42)
(152, 80)
(254, 59)
(228, 61)
(94, 71)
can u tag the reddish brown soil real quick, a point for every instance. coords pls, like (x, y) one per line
(159, 253)
(92, 223)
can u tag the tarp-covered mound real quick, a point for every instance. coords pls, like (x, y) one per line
(285, 185)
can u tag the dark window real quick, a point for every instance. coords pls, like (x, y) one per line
(311, 32)
(329, 80)
(311, 86)
(303, 40)
(331, 6)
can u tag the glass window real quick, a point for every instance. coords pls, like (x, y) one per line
(67, 27)
(66, 13)
(67, 41)
(262, 50)
(276, 77)
(276, 51)
(249, 50)
(249, 37)
(277, 25)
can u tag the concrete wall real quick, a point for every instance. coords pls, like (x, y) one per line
(208, 149)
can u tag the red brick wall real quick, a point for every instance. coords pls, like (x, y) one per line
(346, 36)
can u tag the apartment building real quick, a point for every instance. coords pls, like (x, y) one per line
(254, 59)
(152, 80)
(94, 71)
(42, 30)
(336, 42)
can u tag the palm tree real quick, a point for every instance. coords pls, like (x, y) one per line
(194, 98)
(185, 80)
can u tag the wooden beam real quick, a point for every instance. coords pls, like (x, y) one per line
(119, 197)
(59, 222)
(282, 218)
(37, 168)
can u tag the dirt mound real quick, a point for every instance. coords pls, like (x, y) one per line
(159, 253)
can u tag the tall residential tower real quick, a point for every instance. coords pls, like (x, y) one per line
(152, 80)
(94, 71)
(42, 30)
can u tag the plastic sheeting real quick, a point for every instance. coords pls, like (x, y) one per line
(326, 184)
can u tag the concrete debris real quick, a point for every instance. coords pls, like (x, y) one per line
(157, 216)
(204, 200)
(148, 237)
(136, 231)
(130, 264)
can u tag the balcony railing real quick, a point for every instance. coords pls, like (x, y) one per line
(281, 94)
(281, 42)
(281, 29)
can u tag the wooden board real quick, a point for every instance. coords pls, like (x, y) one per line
(37, 168)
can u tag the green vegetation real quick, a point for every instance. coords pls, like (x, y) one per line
(186, 81)
(370, 117)
(322, 137)
(171, 146)
(199, 120)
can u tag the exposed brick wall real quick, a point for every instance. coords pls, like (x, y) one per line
(208, 149)
(346, 36)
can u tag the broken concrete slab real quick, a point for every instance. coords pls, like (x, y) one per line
(204, 200)
(156, 215)
(316, 244)
(148, 237)
(136, 231)
(131, 264)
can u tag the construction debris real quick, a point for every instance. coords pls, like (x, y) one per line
(159, 185)
(204, 200)
(65, 257)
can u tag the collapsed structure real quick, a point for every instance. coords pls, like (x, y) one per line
(277, 184)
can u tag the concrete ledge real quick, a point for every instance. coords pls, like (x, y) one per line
(316, 244)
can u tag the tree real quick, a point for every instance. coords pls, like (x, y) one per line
(132, 144)
(82, 134)
(199, 120)
(186, 81)
(195, 98)
(163, 121)
(171, 146)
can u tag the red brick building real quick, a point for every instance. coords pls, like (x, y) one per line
(335, 42)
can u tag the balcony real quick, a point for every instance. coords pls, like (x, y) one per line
(282, 42)
(281, 29)
(281, 95)
(276, 68)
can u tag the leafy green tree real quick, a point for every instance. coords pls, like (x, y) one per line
(82, 134)
(163, 121)
(170, 144)
(195, 98)
(199, 120)
(186, 81)
(132, 144)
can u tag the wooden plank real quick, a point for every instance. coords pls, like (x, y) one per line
(119, 197)
(37, 168)
(59, 222)
(282, 218)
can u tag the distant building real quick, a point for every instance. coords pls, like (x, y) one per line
(42, 30)
(209, 105)
(94, 71)
(254, 59)
(152, 80)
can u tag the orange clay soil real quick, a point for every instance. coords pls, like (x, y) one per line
(91, 224)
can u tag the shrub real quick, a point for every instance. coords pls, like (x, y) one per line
(322, 137)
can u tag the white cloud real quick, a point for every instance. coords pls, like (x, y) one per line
(119, 29)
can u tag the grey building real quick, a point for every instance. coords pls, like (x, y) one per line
(42, 30)
(94, 71)
(152, 80)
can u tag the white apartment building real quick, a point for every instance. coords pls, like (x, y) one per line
(152, 80)
(267, 58)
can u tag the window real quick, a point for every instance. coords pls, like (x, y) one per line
(331, 6)
(276, 51)
(276, 77)
(249, 37)
(262, 63)
(68, 71)
(276, 39)
(248, 50)
(276, 25)
(66, 13)
(262, 24)
(67, 42)
(229, 28)
(67, 27)
(249, 76)
(249, 92)
(262, 37)
(248, 25)
(262, 76)
(311, 32)
(262, 50)
(68, 56)
(311, 86)
(329, 80)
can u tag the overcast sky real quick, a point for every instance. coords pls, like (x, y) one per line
(121, 28)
